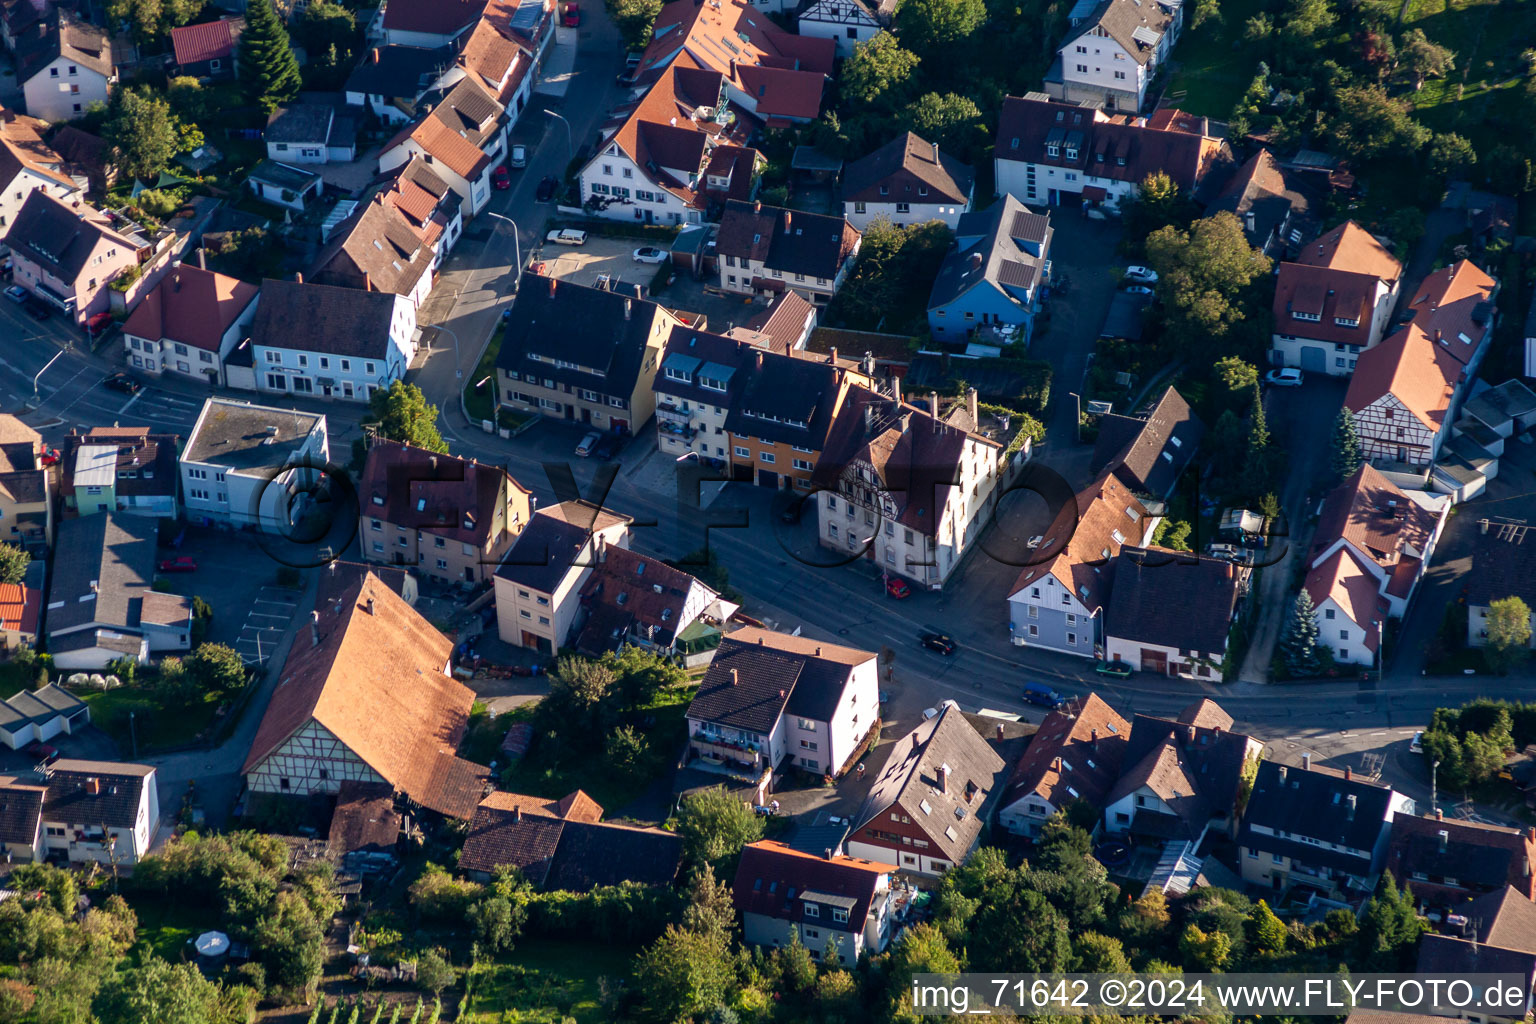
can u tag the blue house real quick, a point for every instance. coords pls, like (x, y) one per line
(992, 282)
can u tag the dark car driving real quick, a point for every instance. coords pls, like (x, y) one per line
(937, 642)
(123, 382)
(546, 189)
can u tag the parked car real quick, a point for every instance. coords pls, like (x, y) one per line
(17, 294)
(1118, 669)
(793, 510)
(546, 190)
(1043, 696)
(181, 563)
(585, 446)
(519, 158)
(632, 59)
(650, 254)
(1143, 275)
(1137, 289)
(929, 713)
(37, 309)
(572, 17)
(1416, 745)
(124, 382)
(98, 323)
(937, 642)
(501, 178)
(567, 236)
(607, 447)
(1287, 378)
(50, 456)
(40, 751)
(898, 588)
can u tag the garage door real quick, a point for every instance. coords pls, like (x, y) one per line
(1313, 358)
(1154, 661)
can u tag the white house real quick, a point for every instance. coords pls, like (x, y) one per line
(463, 138)
(1171, 613)
(29, 163)
(846, 22)
(1112, 51)
(391, 80)
(281, 184)
(189, 324)
(330, 342)
(1334, 301)
(907, 181)
(429, 207)
(310, 133)
(538, 584)
(64, 66)
(767, 250)
(1503, 566)
(82, 811)
(772, 701)
(379, 249)
(252, 466)
(834, 902)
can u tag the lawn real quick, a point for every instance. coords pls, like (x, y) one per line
(165, 927)
(481, 401)
(1487, 37)
(154, 725)
(545, 980)
(1214, 66)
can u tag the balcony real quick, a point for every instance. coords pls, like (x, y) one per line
(727, 757)
(672, 428)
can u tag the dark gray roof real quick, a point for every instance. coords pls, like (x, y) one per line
(599, 330)
(1134, 24)
(114, 802)
(548, 546)
(1124, 317)
(324, 318)
(400, 70)
(996, 254)
(594, 853)
(236, 434)
(784, 399)
(757, 675)
(56, 236)
(301, 123)
(1445, 955)
(904, 165)
(102, 565)
(1163, 443)
(791, 241)
(21, 807)
(274, 172)
(1314, 803)
(687, 350)
(1502, 566)
(1176, 599)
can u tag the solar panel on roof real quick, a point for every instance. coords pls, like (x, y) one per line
(528, 15)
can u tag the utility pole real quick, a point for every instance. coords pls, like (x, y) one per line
(1434, 787)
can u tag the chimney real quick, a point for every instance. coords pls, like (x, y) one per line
(1348, 773)
(517, 809)
(202, 258)
(757, 206)
(1439, 814)
(1444, 838)
(298, 277)
(551, 287)
(1281, 771)
(786, 220)
(818, 651)
(933, 403)
(758, 362)
(832, 355)
(935, 152)
(1306, 762)
(943, 774)
(314, 629)
(370, 606)
(972, 401)
(896, 387)
(975, 261)
(628, 308)
(637, 292)
(999, 732)
(93, 786)
(1530, 833)
(735, 678)
(827, 853)
(1350, 813)
(375, 55)
(1093, 738)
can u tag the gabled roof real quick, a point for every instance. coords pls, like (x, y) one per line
(790, 241)
(1079, 547)
(1076, 755)
(915, 455)
(1503, 918)
(457, 129)
(191, 306)
(787, 399)
(903, 165)
(365, 819)
(489, 51)
(20, 608)
(1316, 804)
(1195, 768)
(403, 71)
(61, 34)
(377, 249)
(1329, 293)
(324, 318)
(776, 881)
(22, 148)
(21, 808)
(1351, 247)
(1503, 565)
(301, 123)
(1137, 27)
(593, 853)
(194, 44)
(423, 200)
(102, 567)
(103, 793)
(144, 463)
(781, 327)
(1371, 513)
(432, 17)
(1344, 579)
(952, 816)
(60, 237)
(630, 592)
(1119, 149)
(1474, 854)
(1161, 445)
(549, 545)
(441, 495)
(1262, 194)
(372, 673)
(757, 674)
(999, 256)
(1173, 598)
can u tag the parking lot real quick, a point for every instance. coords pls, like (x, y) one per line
(271, 611)
(236, 577)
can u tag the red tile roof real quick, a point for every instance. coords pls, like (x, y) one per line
(1076, 754)
(1085, 537)
(1370, 512)
(456, 129)
(776, 881)
(441, 495)
(214, 39)
(1328, 294)
(1345, 578)
(191, 306)
(432, 17)
(20, 606)
(22, 148)
(1351, 247)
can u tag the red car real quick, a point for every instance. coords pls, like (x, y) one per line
(897, 588)
(41, 751)
(501, 178)
(50, 456)
(572, 16)
(181, 563)
(98, 323)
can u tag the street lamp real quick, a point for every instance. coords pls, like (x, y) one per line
(517, 246)
(44, 370)
(1077, 424)
(570, 148)
(1434, 786)
(456, 371)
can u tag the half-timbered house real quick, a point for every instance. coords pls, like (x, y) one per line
(365, 696)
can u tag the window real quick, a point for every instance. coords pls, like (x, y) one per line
(1327, 613)
(812, 910)
(1343, 634)
(807, 744)
(767, 457)
(1277, 858)
(1072, 639)
(368, 368)
(838, 914)
(1034, 630)
(742, 453)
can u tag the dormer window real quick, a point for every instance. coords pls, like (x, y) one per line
(378, 499)
(885, 190)
(1071, 152)
(1344, 321)
(1053, 150)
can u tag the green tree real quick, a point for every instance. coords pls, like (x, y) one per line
(1258, 28)
(1509, 633)
(1173, 534)
(289, 941)
(1022, 931)
(215, 668)
(157, 991)
(325, 24)
(1450, 155)
(1205, 951)
(579, 692)
(1266, 932)
(1346, 457)
(931, 26)
(13, 563)
(684, 973)
(497, 922)
(710, 910)
(144, 131)
(887, 288)
(1389, 928)
(1201, 271)
(149, 20)
(58, 885)
(188, 99)
(1096, 953)
(625, 749)
(795, 964)
(952, 121)
(269, 73)
(1307, 19)
(1420, 58)
(634, 19)
(640, 675)
(715, 826)
(1237, 374)
(879, 75)
(1371, 125)
(404, 414)
(433, 973)
(1298, 642)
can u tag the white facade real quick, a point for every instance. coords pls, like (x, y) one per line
(737, 275)
(277, 195)
(85, 841)
(473, 195)
(63, 90)
(1477, 626)
(527, 617)
(1337, 359)
(862, 214)
(14, 193)
(272, 497)
(917, 861)
(1390, 433)
(310, 761)
(1048, 185)
(290, 371)
(1095, 67)
(849, 939)
(1027, 815)
(847, 22)
(1343, 634)
(1166, 660)
(613, 175)
(155, 356)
